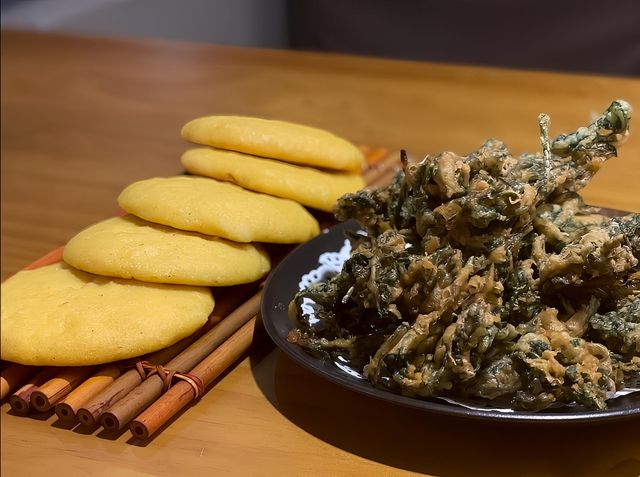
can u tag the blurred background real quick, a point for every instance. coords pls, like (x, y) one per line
(560, 35)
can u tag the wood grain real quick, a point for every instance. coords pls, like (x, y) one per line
(83, 117)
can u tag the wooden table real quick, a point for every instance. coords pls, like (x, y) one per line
(82, 118)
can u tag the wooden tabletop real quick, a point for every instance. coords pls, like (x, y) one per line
(82, 118)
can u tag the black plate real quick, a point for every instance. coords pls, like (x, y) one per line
(282, 286)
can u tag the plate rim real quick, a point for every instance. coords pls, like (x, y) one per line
(274, 309)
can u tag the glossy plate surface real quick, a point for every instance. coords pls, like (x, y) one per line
(282, 286)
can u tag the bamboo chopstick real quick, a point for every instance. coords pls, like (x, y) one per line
(67, 408)
(49, 393)
(382, 169)
(182, 393)
(52, 257)
(89, 413)
(120, 413)
(20, 401)
(14, 375)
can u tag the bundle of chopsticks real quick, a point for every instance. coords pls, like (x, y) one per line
(139, 393)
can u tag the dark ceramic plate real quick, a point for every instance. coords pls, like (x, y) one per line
(282, 286)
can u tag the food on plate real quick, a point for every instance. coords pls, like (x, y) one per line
(275, 139)
(306, 185)
(486, 276)
(136, 284)
(217, 208)
(60, 316)
(129, 247)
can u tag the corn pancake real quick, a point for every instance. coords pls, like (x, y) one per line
(59, 316)
(204, 205)
(309, 186)
(129, 247)
(275, 139)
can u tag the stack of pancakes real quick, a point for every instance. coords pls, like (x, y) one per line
(134, 284)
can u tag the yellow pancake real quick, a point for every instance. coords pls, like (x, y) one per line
(306, 185)
(218, 208)
(129, 247)
(59, 316)
(275, 139)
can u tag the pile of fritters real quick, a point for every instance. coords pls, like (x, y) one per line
(487, 276)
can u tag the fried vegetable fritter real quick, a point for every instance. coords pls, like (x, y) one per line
(487, 276)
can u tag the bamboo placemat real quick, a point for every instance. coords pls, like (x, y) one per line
(145, 393)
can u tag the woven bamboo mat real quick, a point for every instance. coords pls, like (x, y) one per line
(95, 396)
